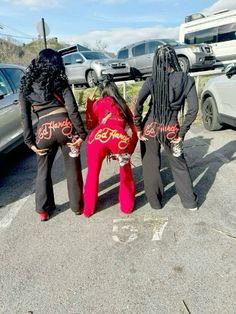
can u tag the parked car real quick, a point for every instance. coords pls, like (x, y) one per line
(10, 118)
(89, 67)
(140, 56)
(218, 100)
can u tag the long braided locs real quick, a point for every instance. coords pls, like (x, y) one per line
(164, 62)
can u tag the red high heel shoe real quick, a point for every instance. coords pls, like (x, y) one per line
(43, 216)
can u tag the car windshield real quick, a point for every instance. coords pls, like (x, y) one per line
(94, 55)
(170, 42)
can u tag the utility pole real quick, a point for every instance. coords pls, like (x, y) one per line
(44, 33)
(43, 30)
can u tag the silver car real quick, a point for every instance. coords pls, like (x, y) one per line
(140, 56)
(89, 67)
(218, 100)
(11, 133)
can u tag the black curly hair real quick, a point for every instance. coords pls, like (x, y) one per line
(47, 70)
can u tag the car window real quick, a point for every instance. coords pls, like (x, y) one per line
(138, 50)
(152, 46)
(74, 57)
(5, 88)
(15, 76)
(170, 42)
(123, 54)
(67, 59)
(208, 36)
(227, 32)
(94, 55)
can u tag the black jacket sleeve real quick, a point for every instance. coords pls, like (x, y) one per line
(138, 108)
(26, 119)
(134, 137)
(192, 100)
(72, 109)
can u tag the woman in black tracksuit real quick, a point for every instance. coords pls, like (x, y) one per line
(45, 90)
(168, 87)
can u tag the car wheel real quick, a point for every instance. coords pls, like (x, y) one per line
(210, 115)
(92, 78)
(184, 64)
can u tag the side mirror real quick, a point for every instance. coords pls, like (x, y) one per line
(231, 72)
(1, 94)
(80, 60)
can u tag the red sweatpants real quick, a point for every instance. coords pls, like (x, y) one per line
(102, 141)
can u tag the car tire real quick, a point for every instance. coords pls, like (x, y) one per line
(92, 78)
(184, 64)
(210, 115)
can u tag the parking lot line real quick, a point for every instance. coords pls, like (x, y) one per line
(12, 213)
(14, 208)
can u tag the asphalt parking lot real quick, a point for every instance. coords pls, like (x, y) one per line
(166, 261)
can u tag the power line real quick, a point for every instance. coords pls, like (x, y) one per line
(16, 36)
(15, 30)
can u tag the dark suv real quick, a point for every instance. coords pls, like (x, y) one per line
(10, 118)
(140, 56)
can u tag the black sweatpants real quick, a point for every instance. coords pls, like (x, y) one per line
(153, 185)
(56, 131)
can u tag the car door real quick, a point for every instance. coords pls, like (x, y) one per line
(151, 47)
(10, 117)
(75, 68)
(140, 59)
(226, 88)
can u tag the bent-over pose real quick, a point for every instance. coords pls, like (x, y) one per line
(168, 87)
(108, 117)
(46, 90)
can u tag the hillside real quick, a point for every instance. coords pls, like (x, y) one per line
(11, 52)
(14, 52)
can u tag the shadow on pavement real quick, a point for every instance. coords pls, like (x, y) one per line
(18, 172)
(201, 164)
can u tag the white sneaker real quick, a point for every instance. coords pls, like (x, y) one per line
(193, 209)
(123, 159)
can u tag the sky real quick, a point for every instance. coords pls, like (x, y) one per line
(108, 23)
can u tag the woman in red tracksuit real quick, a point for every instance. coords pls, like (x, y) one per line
(108, 117)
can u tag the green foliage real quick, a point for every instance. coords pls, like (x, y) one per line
(127, 89)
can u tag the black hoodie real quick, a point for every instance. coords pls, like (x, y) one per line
(181, 88)
(42, 102)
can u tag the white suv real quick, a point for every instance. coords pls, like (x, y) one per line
(218, 102)
(89, 67)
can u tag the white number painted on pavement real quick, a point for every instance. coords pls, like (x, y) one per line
(126, 227)
(127, 230)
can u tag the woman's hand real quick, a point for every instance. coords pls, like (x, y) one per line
(40, 152)
(141, 137)
(76, 143)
